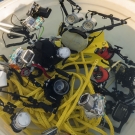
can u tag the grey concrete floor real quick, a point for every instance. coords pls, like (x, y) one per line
(123, 36)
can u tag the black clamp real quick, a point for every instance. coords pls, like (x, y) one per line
(9, 108)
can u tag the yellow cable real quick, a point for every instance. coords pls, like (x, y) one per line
(69, 129)
(61, 119)
(82, 89)
(91, 127)
(110, 125)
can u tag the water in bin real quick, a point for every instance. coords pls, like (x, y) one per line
(61, 86)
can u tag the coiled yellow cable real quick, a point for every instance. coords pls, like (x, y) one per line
(68, 109)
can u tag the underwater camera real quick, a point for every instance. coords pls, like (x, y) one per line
(36, 15)
(93, 105)
(21, 58)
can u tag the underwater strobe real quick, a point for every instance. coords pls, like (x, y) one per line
(93, 105)
(20, 121)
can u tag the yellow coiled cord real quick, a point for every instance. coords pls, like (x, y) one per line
(68, 109)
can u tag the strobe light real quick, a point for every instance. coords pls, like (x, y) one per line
(20, 121)
(93, 105)
(89, 24)
(74, 18)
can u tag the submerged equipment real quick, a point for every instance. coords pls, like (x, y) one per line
(100, 74)
(34, 21)
(36, 15)
(122, 108)
(120, 113)
(21, 58)
(93, 105)
(78, 36)
(107, 53)
(47, 54)
(20, 121)
(51, 131)
(56, 88)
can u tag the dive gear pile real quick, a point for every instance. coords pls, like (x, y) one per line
(38, 79)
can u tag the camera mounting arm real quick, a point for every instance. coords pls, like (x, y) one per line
(125, 58)
(63, 7)
(109, 27)
(72, 3)
(104, 16)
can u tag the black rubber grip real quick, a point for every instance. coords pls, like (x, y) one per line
(59, 71)
(78, 32)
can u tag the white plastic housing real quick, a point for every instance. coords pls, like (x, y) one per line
(22, 120)
(74, 18)
(89, 24)
(63, 52)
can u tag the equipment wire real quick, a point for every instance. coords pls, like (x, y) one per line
(41, 33)
(99, 34)
(17, 19)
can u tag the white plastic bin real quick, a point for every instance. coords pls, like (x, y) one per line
(123, 35)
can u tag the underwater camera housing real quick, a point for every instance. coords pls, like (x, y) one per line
(57, 87)
(93, 105)
(36, 15)
(120, 113)
(21, 58)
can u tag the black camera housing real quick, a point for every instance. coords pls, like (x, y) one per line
(121, 111)
(50, 93)
(44, 12)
